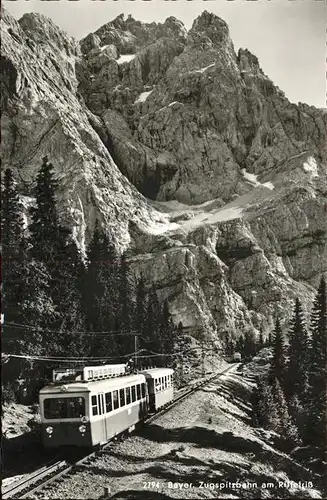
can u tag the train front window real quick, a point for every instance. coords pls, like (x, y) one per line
(59, 408)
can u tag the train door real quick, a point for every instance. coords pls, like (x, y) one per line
(102, 422)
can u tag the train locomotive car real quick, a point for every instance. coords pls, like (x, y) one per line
(89, 413)
(160, 387)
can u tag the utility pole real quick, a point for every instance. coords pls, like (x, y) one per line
(202, 356)
(211, 359)
(135, 351)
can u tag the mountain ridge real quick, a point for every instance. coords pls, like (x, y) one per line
(184, 118)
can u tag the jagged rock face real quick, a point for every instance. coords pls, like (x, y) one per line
(42, 115)
(148, 109)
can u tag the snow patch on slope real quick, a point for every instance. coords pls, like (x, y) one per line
(310, 166)
(191, 216)
(161, 225)
(143, 96)
(253, 179)
(103, 48)
(202, 70)
(125, 58)
(221, 215)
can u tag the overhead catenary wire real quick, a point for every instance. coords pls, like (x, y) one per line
(70, 359)
(20, 326)
(88, 358)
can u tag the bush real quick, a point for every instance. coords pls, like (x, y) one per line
(8, 394)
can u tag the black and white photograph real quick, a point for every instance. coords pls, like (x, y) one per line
(163, 249)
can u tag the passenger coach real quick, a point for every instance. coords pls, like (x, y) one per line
(160, 387)
(91, 413)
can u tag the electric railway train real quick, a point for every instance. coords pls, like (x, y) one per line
(87, 408)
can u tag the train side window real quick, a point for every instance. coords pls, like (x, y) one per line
(94, 405)
(122, 397)
(138, 391)
(108, 402)
(115, 401)
(133, 394)
(128, 395)
(143, 390)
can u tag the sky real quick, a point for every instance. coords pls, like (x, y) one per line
(288, 36)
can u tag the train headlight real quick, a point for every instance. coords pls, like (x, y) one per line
(49, 430)
(82, 428)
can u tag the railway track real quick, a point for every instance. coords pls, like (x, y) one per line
(55, 470)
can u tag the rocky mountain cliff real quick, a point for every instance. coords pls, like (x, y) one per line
(186, 152)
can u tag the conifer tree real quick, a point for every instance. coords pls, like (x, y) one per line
(284, 425)
(229, 345)
(278, 362)
(297, 376)
(298, 414)
(47, 236)
(249, 348)
(168, 332)
(14, 263)
(50, 247)
(100, 293)
(316, 403)
(267, 407)
(240, 345)
(140, 319)
(70, 304)
(13, 250)
(152, 335)
(125, 306)
(26, 290)
(261, 342)
(256, 401)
